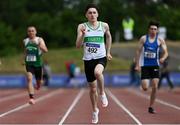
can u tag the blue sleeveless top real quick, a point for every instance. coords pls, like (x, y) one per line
(150, 56)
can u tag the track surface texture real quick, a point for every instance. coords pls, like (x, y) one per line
(72, 106)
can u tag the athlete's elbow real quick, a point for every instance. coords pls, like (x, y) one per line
(78, 45)
(45, 50)
(167, 55)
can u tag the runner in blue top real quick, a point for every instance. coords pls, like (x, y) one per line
(148, 60)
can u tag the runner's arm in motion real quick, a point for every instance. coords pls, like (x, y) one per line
(80, 35)
(24, 54)
(138, 52)
(108, 40)
(165, 51)
(42, 45)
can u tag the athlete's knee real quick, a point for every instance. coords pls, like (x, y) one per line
(93, 89)
(145, 85)
(29, 78)
(144, 88)
(155, 86)
(98, 74)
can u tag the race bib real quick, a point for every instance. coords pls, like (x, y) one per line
(92, 48)
(30, 58)
(150, 55)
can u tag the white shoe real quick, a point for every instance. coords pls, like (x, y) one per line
(95, 118)
(31, 101)
(104, 100)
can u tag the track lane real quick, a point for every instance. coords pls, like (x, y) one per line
(46, 111)
(52, 109)
(81, 114)
(171, 96)
(138, 106)
(14, 101)
(4, 93)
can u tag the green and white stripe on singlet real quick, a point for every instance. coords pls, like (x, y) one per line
(94, 47)
(33, 53)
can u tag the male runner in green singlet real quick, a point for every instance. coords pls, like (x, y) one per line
(34, 46)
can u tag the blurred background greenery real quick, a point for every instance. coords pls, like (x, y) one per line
(57, 20)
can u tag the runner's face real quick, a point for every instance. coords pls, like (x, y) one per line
(31, 31)
(153, 30)
(92, 14)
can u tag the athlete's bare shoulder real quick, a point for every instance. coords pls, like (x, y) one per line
(105, 24)
(25, 39)
(143, 38)
(161, 39)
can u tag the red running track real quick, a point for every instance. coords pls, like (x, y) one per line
(73, 106)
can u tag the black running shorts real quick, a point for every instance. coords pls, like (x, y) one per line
(37, 71)
(89, 66)
(149, 72)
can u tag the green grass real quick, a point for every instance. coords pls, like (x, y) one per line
(57, 59)
(12, 64)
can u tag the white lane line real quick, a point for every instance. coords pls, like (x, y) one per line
(30, 124)
(72, 106)
(157, 100)
(13, 96)
(26, 105)
(123, 107)
(9, 97)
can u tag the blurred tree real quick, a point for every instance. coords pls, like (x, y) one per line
(112, 13)
(56, 20)
(8, 42)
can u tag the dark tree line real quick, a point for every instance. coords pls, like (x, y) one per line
(57, 20)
